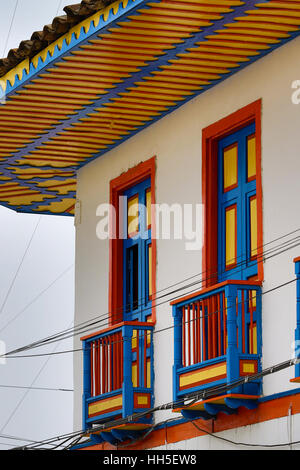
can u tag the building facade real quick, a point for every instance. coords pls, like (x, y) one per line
(176, 148)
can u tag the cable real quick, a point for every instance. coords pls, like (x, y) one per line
(20, 266)
(213, 391)
(38, 388)
(87, 323)
(197, 395)
(10, 28)
(7, 444)
(36, 297)
(246, 444)
(58, 8)
(9, 356)
(14, 438)
(26, 393)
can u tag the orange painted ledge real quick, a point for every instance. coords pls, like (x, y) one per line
(296, 260)
(296, 379)
(265, 411)
(217, 399)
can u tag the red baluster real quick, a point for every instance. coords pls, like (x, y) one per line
(145, 357)
(198, 333)
(203, 331)
(219, 326)
(189, 333)
(92, 369)
(183, 338)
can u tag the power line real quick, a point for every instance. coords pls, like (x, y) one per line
(154, 332)
(161, 290)
(27, 392)
(38, 388)
(196, 396)
(10, 28)
(245, 444)
(19, 267)
(66, 334)
(58, 8)
(36, 297)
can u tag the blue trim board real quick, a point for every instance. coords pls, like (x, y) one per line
(297, 330)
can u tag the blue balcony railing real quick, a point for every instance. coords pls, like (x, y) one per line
(118, 372)
(217, 338)
(297, 330)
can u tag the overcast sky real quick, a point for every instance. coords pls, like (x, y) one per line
(36, 285)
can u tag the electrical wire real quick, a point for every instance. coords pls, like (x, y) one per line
(196, 395)
(19, 266)
(38, 388)
(10, 28)
(42, 292)
(106, 315)
(58, 8)
(206, 315)
(204, 394)
(272, 290)
(78, 329)
(27, 391)
(245, 444)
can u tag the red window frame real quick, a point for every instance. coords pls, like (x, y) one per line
(117, 186)
(210, 137)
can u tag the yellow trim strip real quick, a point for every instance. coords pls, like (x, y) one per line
(105, 405)
(199, 376)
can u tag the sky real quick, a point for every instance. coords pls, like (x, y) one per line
(36, 286)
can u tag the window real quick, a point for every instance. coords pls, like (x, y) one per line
(237, 205)
(133, 255)
(137, 281)
(232, 197)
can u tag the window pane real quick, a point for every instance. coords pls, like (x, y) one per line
(230, 221)
(253, 227)
(134, 375)
(251, 152)
(150, 272)
(133, 216)
(132, 278)
(148, 206)
(230, 159)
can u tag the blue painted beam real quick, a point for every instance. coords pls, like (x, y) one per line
(214, 409)
(96, 438)
(236, 403)
(108, 437)
(126, 434)
(120, 435)
(189, 414)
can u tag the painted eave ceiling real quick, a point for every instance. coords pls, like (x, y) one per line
(110, 70)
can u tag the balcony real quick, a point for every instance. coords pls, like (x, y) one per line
(217, 340)
(118, 373)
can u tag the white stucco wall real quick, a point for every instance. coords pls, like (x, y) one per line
(176, 142)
